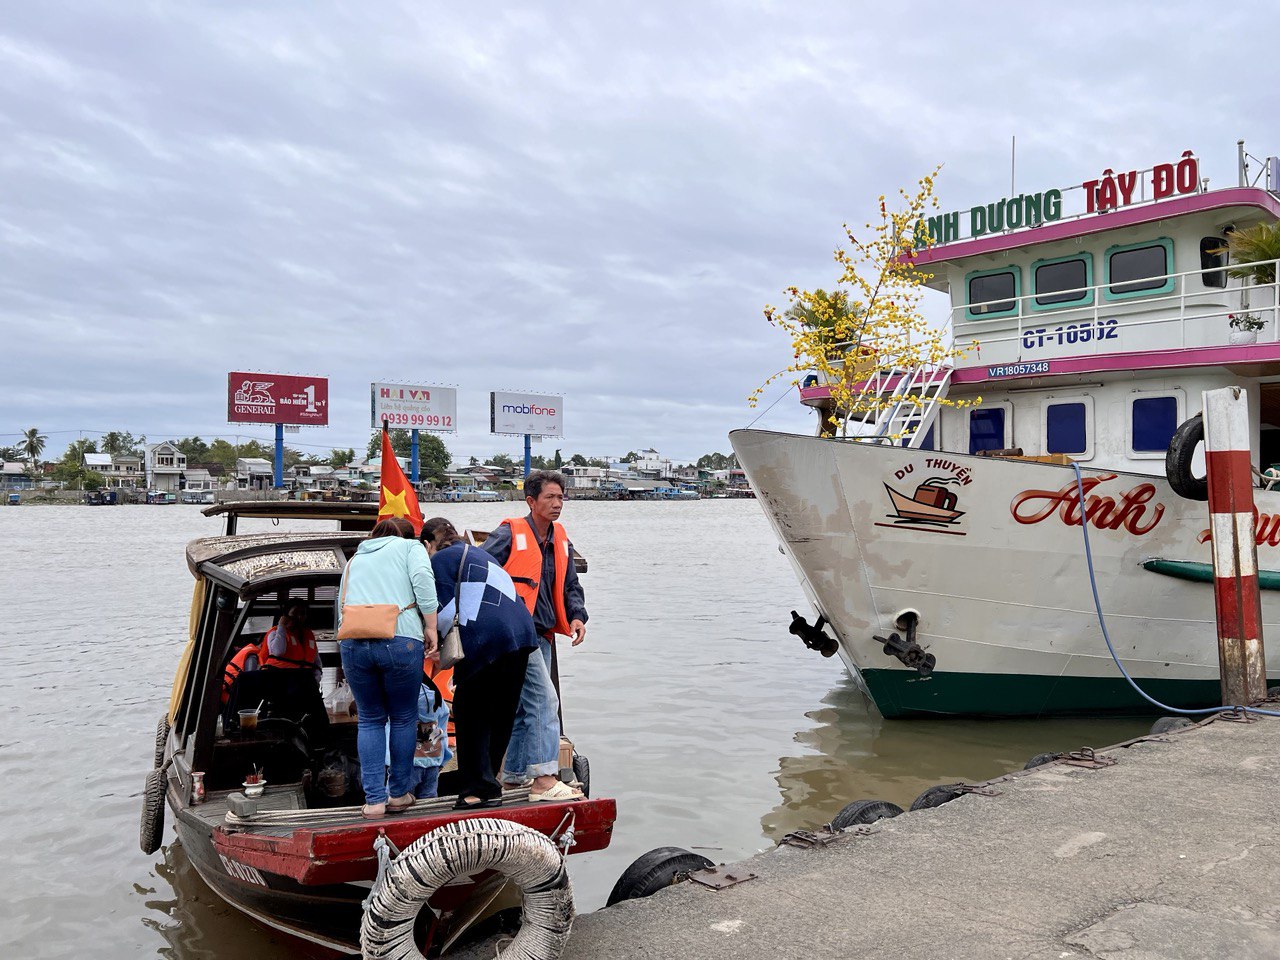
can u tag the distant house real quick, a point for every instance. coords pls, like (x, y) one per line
(652, 465)
(584, 478)
(254, 473)
(15, 475)
(166, 467)
(314, 476)
(118, 472)
(199, 480)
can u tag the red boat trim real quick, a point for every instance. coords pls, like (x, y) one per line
(318, 856)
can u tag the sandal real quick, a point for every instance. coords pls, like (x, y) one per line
(398, 804)
(477, 803)
(557, 792)
(373, 811)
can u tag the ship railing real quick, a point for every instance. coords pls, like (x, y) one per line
(1133, 312)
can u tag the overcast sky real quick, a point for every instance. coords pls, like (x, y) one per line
(582, 199)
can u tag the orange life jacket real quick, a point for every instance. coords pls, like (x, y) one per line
(299, 652)
(442, 680)
(525, 567)
(237, 667)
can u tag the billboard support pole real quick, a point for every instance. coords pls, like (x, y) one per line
(528, 454)
(279, 465)
(413, 456)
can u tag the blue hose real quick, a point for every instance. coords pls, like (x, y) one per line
(1097, 605)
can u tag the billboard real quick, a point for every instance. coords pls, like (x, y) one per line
(277, 398)
(413, 406)
(521, 413)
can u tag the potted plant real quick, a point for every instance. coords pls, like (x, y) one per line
(1244, 327)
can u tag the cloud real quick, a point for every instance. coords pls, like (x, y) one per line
(596, 202)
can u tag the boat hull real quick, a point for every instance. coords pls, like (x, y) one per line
(1002, 592)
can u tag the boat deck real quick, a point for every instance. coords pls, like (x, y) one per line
(282, 810)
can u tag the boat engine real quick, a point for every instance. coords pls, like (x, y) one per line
(814, 637)
(907, 650)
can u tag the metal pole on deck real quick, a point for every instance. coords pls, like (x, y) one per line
(413, 456)
(1232, 523)
(279, 465)
(528, 454)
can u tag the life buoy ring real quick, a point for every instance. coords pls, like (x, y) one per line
(1177, 460)
(524, 856)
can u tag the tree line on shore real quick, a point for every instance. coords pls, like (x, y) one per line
(433, 456)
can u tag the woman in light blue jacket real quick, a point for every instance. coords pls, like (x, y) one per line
(391, 567)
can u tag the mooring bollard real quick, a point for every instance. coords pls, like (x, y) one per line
(1232, 523)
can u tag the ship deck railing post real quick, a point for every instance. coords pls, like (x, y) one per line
(1232, 525)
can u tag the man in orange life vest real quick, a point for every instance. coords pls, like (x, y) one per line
(536, 552)
(287, 645)
(290, 644)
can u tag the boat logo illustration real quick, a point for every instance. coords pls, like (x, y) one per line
(931, 508)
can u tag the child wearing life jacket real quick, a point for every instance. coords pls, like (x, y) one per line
(432, 750)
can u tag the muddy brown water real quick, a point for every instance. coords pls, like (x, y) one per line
(713, 728)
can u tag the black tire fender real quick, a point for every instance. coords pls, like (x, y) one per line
(656, 870)
(1040, 759)
(864, 811)
(937, 796)
(1169, 724)
(582, 773)
(1177, 460)
(151, 829)
(162, 738)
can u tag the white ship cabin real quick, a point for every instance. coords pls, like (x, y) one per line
(1098, 330)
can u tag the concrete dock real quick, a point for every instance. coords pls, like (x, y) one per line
(1173, 853)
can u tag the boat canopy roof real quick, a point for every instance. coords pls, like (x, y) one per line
(256, 563)
(350, 516)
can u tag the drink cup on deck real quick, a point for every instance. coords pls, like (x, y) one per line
(248, 720)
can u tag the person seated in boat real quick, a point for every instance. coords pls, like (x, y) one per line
(497, 638)
(290, 644)
(245, 660)
(432, 750)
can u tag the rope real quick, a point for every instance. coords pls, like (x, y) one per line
(525, 857)
(768, 408)
(1097, 605)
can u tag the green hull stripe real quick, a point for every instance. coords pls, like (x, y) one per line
(899, 693)
(1203, 572)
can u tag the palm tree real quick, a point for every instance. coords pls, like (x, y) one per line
(32, 445)
(829, 313)
(1250, 247)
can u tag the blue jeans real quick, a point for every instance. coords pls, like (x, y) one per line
(423, 781)
(385, 676)
(534, 750)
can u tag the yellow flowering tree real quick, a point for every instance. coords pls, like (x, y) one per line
(871, 323)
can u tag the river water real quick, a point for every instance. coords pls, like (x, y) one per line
(712, 726)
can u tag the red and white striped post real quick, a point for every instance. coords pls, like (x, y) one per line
(1235, 551)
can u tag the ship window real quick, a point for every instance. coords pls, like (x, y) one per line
(1154, 420)
(1213, 258)
(992, 293)
(987, 429)
(1063, 281)
(1139, 269)
(1066, 428)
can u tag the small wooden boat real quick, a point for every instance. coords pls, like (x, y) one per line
(300, 858)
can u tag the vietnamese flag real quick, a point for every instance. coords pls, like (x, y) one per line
(397, 498)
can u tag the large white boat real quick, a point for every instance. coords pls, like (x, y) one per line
(955, 581)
